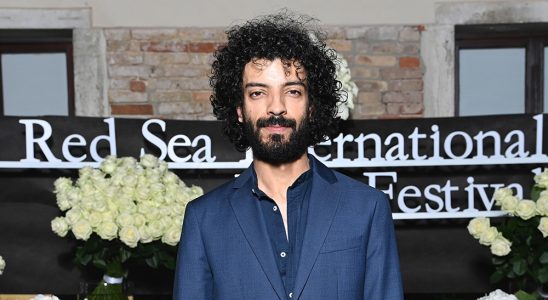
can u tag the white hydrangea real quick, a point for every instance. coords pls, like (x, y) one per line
(134, 201)
(351, 89)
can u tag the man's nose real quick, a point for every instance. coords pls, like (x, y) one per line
(277, 106)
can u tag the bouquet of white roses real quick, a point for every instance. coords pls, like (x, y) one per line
(518, 243)
(124, 210)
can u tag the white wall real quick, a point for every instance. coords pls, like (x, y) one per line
(210, 13)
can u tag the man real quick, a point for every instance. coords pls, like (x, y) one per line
(287, 227)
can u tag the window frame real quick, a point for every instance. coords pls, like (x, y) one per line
(13, 41)
(533, 37)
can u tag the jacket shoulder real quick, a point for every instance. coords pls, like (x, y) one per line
(353, 184)
(214, 198)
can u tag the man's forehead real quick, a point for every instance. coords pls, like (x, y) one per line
(291, 66)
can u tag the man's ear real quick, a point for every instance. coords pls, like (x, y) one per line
(240, 115)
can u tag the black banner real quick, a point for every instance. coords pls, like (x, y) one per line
(437, 172)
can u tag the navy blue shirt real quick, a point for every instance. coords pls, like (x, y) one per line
(287, 249)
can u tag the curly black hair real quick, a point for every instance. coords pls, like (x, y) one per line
(287, 37)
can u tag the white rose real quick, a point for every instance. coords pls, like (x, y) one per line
(542, 179)
(488, 236)
(526, 209)
(157, 188)
(509, 204)
(84, 173)
(73, 216)
(2, 265)
(87, 190)
(162, 166)
(145, 235)
(109, 216)
(500, 246)
(139, 220)
(196, 191)
(172, 236)
(62, 184)
(107, 230)
(543, 226)
(128, 162)
(478, 225)
(142, 193)
(63, 201)
(130, 180)
(501, 194)
(109, 164)
(542, 205)
(73, 195)
(148, 161)
(130, 236)
(125, 220)
(82, 230)
(170, 178)
(156, 229)
(94, 218)
(99, 205)
(148, 211)
(60, 226)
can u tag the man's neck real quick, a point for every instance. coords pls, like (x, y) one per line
(275, 179)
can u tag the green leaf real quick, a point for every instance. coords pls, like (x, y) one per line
(152, 262)
(497, 276)
(544, 258)
(498, 260)
(124, 254)
(535, 192)
(99, 263)
(543, 274)
(521, 295)
(83, 259)
(519, 266)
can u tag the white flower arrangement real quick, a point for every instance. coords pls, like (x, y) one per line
(498, 295)
(45, 297)
(2, 265)
(518, 242)
(344, 76)
(136, 202)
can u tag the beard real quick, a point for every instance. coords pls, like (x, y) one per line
(277, 149)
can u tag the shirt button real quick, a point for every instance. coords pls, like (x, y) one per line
(275, 208)
(290, 295)
(283, 254)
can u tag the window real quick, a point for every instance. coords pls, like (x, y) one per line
(36, 73)
(500, 69)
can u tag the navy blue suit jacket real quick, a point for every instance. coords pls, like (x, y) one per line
(349, 249)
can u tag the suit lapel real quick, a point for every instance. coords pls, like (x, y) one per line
(248, 214)
(324, 199)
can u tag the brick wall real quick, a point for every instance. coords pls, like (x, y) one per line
(164, 72)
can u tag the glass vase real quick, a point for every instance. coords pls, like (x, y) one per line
(110, 288)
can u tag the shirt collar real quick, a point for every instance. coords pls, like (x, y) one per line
(303, 178)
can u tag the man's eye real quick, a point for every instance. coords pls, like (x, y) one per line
(255, 94)
(295, 92)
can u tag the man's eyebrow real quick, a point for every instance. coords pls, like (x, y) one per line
(295, 83)
(258, 84)
(254, 84)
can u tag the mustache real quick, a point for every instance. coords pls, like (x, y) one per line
(279, 121)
